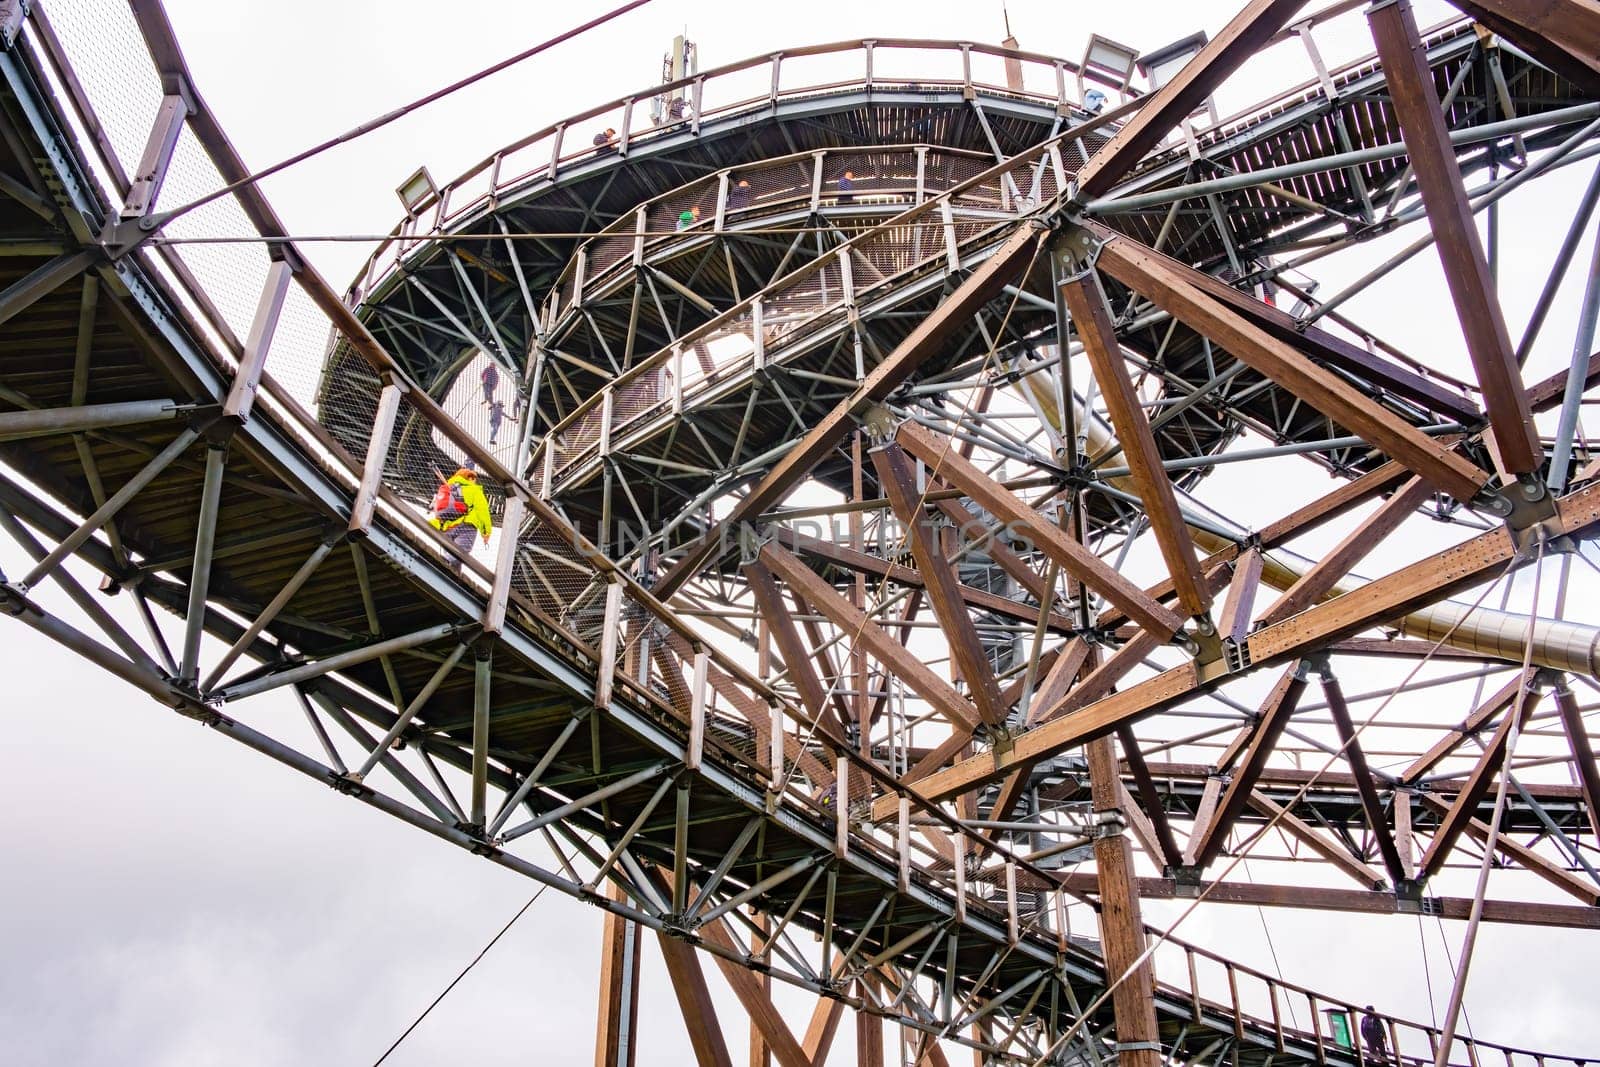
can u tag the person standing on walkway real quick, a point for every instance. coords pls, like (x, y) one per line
(461, 511)
(1375, 1044)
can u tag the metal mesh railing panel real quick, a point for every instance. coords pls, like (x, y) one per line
(231, 274)
(102, 42)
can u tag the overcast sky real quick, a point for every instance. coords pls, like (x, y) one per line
(170, 898)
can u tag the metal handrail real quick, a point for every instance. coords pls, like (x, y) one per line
(159, 39)
(445, 212)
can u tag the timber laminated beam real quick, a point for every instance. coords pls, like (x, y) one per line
(1426, 581)
(1582, 751)
(1564, 35)
(1324, 575)
(863, 563)
(827, 601)
(1357, 901)
(939, 577)
(929, 338)
(1307, 835)
(796, 656)
(1187, 90)
(1462, 811)
(1355, 756)
(1562, 879)
(1091, 317)
(1328, 348)
(1481, 715)
(1415, 101)
(1026, 521)
(1263, 733)
(695, 1003)
(969, 526)
(1122, 935)
(1175, 289)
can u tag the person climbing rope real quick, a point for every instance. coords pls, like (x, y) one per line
(460, 510)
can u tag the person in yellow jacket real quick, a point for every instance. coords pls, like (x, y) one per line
(460, 510)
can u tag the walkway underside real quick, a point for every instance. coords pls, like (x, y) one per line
(831, 625)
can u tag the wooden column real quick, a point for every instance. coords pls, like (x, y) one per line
(869, 1037)
(615, 1039)
(1121, 925)
(1466, 269)
(694, 1000)
(760, 1055)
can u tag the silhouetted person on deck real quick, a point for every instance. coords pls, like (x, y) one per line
(497, 414)
(1374, 1042)
(490, 378)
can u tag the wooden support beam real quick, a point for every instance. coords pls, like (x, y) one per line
(971, 527)
(1061, 667)
(1175, 101)
(925, 341)
(757, 1005)
(695, 1003)
(1409, 79)
(824, 599)
(1350, 745)
(1330, 506)
(1239, 607)
(1174, 288)
(1558, 876)
(796, 656)
(1426, 581)
(821, 1030)
(616, 1034)
(1091, 318)
(863, 563)
(1307, 835)
(1121, 924)
(760, 1054)
(1356, 901)
(939, 577)
(1049, 538)
(1205, 816)
(1099, 681)
(1481, 715)
(1263, 733)
(1153, 810)
(1582, 751)
(869, 1038)
(828, 671)
(1477, 784)
(1324, 575)
(1564, 35)
(1330, 349)
(1303, 520)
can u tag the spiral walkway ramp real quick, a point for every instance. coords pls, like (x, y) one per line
(887, 591)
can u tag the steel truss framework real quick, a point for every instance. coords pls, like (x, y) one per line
(771, 455)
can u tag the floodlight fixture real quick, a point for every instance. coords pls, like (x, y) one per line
(1159, 67)
(1107, 62)
(417, 191)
